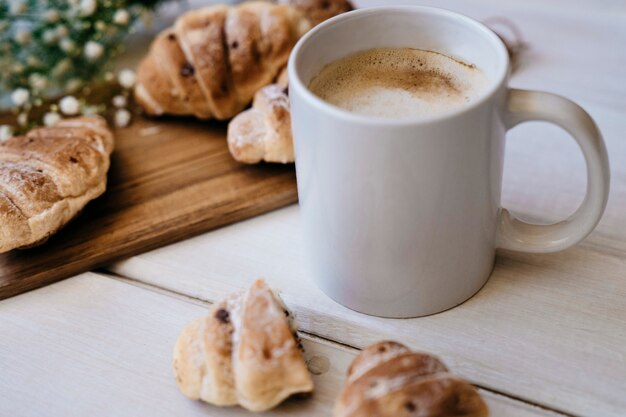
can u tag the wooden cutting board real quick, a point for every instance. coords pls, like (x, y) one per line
(169, 180)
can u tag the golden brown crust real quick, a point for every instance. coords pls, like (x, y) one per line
(387, 379)
(174, 63)
(319, 10)
(156, 93)
(373, 355)
(242, 353)
(48, 175)
(270, 366)
(201, 36)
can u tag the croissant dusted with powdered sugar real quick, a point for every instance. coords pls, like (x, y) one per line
(263, 132)
(389, 380)
(244, 352)
(213, 60)
(48, 176)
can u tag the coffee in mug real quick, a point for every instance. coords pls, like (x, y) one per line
(399, 83)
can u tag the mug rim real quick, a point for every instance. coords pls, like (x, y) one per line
(295, 82)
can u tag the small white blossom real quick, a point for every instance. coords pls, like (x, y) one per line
(93, 50)
(20, 96)
(22, 119)
(69, 105)
(122, 118)
(51, 118)
(51, 16)
(6, 132)
(126, 78)
(100, 26)
(33, 61)
(61, 31)
(23, 36)
(121, 17)
(17, 6)
(49, 36)
(17, 68)
(67, 45)
(119, 101)
(88, 7)
(37, 81)
(109, 76)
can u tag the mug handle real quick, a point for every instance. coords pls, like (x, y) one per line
(515, 234)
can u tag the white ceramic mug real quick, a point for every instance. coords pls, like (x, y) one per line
(403, 218)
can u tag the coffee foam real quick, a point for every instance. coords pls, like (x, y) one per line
(399, 83)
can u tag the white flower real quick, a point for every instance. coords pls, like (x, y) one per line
(93, 50)
(51, 16)
(17, 6)
(67, 45)
(37, 81)
(122, 118)
(23, 36)
(17, 68)
(121, 17)
(49, 36)
(87, 7)
(22, 119)
(61, 31)
(6, 132)
(119, 101)
(100, 26)
(69, 105)
(20, 96)
(33, 61)
(126, 78)
(51, 118)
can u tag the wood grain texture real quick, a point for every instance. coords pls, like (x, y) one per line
(92, 345)
(545, 328)
(163, 187)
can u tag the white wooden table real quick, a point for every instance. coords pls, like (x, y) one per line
(545, 337)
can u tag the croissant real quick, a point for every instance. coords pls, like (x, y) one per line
(213, 60)
(244, 352)
(389, 380)
(263, 132)
(319, 10)
(48, 176)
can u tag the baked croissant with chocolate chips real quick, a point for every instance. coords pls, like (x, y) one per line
(244, 352)
(389, 380)
(213, 60)
(48, 175)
